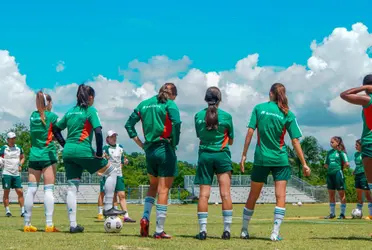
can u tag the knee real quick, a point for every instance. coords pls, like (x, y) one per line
(280, 196)
(225, 195)
(204, 197)
(121, 196)
(163, 191)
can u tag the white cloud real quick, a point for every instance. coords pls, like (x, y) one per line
(338, 62)
(60, 66)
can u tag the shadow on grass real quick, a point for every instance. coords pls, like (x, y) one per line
(342, 238)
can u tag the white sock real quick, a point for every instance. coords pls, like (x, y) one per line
(332, 207)
(343, 209)
(7, 210)
(149, 202)
(227, 220)
(126, 214)
(370, 208)
(161, 214)
(279, 214)
(203, 219)
(109, 189)
(116, 207)
(100, 209)
(49, 204)
(247, 216)
(22, 210)
(29, 202)
(73, 186)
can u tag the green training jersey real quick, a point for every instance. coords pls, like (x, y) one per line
(160, 121)
(42, 146)
(335, 160)
(80, 123)
(217, 139)
(359, 168)
(367, 123)
(272, 124)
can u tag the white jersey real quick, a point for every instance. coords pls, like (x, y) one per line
(12, 159)
(116, 154)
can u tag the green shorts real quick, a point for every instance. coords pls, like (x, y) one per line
(161, 160)
(75, 166)
(361, 181)
(120, 185)
(211, 163)
(10, 181)
(40, 165)
(260, 173)
(336, 181)
(367, 150)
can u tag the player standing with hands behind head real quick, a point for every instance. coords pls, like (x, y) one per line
(271, 119)
(161, 125)
(214, 128)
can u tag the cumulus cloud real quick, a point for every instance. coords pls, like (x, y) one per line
(338, 62)
(60, 66)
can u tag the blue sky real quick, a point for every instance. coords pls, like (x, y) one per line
(97, 37)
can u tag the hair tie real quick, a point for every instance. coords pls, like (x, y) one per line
(45, 99)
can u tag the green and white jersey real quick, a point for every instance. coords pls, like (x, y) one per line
(367, 123)
(80, 123)
(335, 160)
(214, 140)
(12, 159)
(116, 154)
(42, 147)
(272, 124)
(359, 168)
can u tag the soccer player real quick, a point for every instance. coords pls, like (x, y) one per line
(13, 161)
(102, 195)
(161, 125)
(214, 128)
(115, 154)
(78, 154)
(361, 183)
(272, 120)
(43, 157)
(336, 161)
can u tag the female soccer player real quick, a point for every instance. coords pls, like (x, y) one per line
(336, 161)
(361, 184)
(42, 159)
(214, 128)
(13, 162)
(161, 127)
(272, 119)
(78, 154)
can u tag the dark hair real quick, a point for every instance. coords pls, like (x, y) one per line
(278, 91)
(340, 142)
(83, 94)
(165, 91)
(367, 80)
(213, 98)
(42, 101)
(359, 142)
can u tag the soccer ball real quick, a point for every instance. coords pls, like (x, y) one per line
(113, 224)
(356, 214)
(299, 203)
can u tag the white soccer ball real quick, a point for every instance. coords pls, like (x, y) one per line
(299, 203)
(113, 224)
(356, 213)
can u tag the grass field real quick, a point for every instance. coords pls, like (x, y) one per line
(302, 229)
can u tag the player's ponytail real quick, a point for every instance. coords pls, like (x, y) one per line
(213, 98)
(83, 94)
(166, 91)
(280, 97)
(42, 102)
(340, 143)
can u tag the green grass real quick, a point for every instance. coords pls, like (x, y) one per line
(302, 229)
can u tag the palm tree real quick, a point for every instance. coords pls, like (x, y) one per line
(312, 153)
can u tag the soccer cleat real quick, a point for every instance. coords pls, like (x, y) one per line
(29, 229)
(201, 236)
(145, 224)
(51, 229)
(330, 216)
(8, 214)
(22, 214)
(77, 229)
(244, 235)
(275, 237)
(341, 217)
(100, 217)
(162, 235)
(226, 235)
(113, 212)
(369, 217)
(129, 220)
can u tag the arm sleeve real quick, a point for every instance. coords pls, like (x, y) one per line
(231, 128)
(53, 119)
(174, 115)
(94, 118)
(292, 127)
(344, 157)
(58, 135)
(99, 141)
(253, 121)
(62, 124)
(122, 154)
(131, 123)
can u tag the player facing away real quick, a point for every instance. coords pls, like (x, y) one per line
(272, 120)
(215, 130)
(361, 183)
(13, 161)
(78, 155)
(336, 161)
(161, 125)
(115, 154)
(43, 157)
